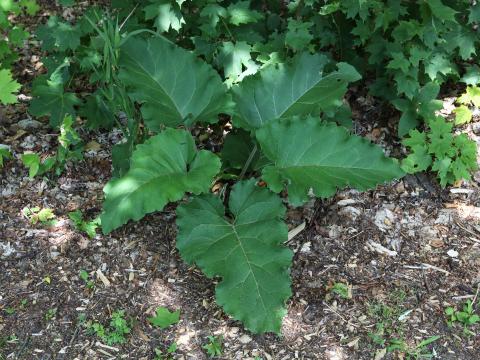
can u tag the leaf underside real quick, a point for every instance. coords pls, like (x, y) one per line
(162, 170)
(312, 155)
(173, 86)
(247, 252)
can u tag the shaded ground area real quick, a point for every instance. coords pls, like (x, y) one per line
(405, 251)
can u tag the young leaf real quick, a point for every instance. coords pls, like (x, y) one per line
(239, 13)
(174, 86)
(32, 161)
(285, 90)
(247, 252)
(164, 318)
(58, 35)
(463, 115)
(162, 169)
(8, 88)
(166, 14)
(50, 98)
(308, 154)
(472, 95)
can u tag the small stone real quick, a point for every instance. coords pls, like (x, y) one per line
(29, 124)
(346, 202)
(452, 253)
(245, 339)
(384, 219)
(306, 248)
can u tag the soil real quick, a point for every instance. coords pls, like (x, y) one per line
(404, 252)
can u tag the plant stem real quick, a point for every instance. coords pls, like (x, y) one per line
(249, 161)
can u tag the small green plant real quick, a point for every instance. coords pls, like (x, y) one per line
(10, 310)
(387, 316)
(466, 317)
(164, 318)
(88, 227)
(4, 154)
(23, 304)
(453, 157)
(35, 165)
(85, 277)
(69, 148)
(214, 346)
(115, 334)
(167, 355)
(50, 314)
(36, 215)
(342, 290)
(10, 339)
(419, 351)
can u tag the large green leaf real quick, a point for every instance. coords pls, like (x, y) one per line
(247, 252)
(174, 86)
(280, 91)
(311, 155)
(162, 169)
(50, 97)
(8, 87)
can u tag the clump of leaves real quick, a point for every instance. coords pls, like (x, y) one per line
(115, 333)
(453, 157)
(419, 351)
(4, 154)
(13, 36)
(88, 227)
(167, 355)
(471, 98)
(214, 346)
(341, 289)
(36, 214)
(50, 314)
(164, 318)
(466, 317)
(86, 278)
(300, 152)
(70, 148)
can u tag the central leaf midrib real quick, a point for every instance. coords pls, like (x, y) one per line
(159, 85)
(295, 100)
(249, 266)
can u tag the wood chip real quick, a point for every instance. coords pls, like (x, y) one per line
(103, 278)
(295, 231)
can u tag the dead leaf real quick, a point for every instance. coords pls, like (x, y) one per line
(92, 146)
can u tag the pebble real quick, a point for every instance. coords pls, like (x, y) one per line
(452, 253)
(29, 124)
(384, 219)
(346, 202)
(245, 339)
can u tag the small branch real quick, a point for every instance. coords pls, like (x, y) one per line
(249, 161)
